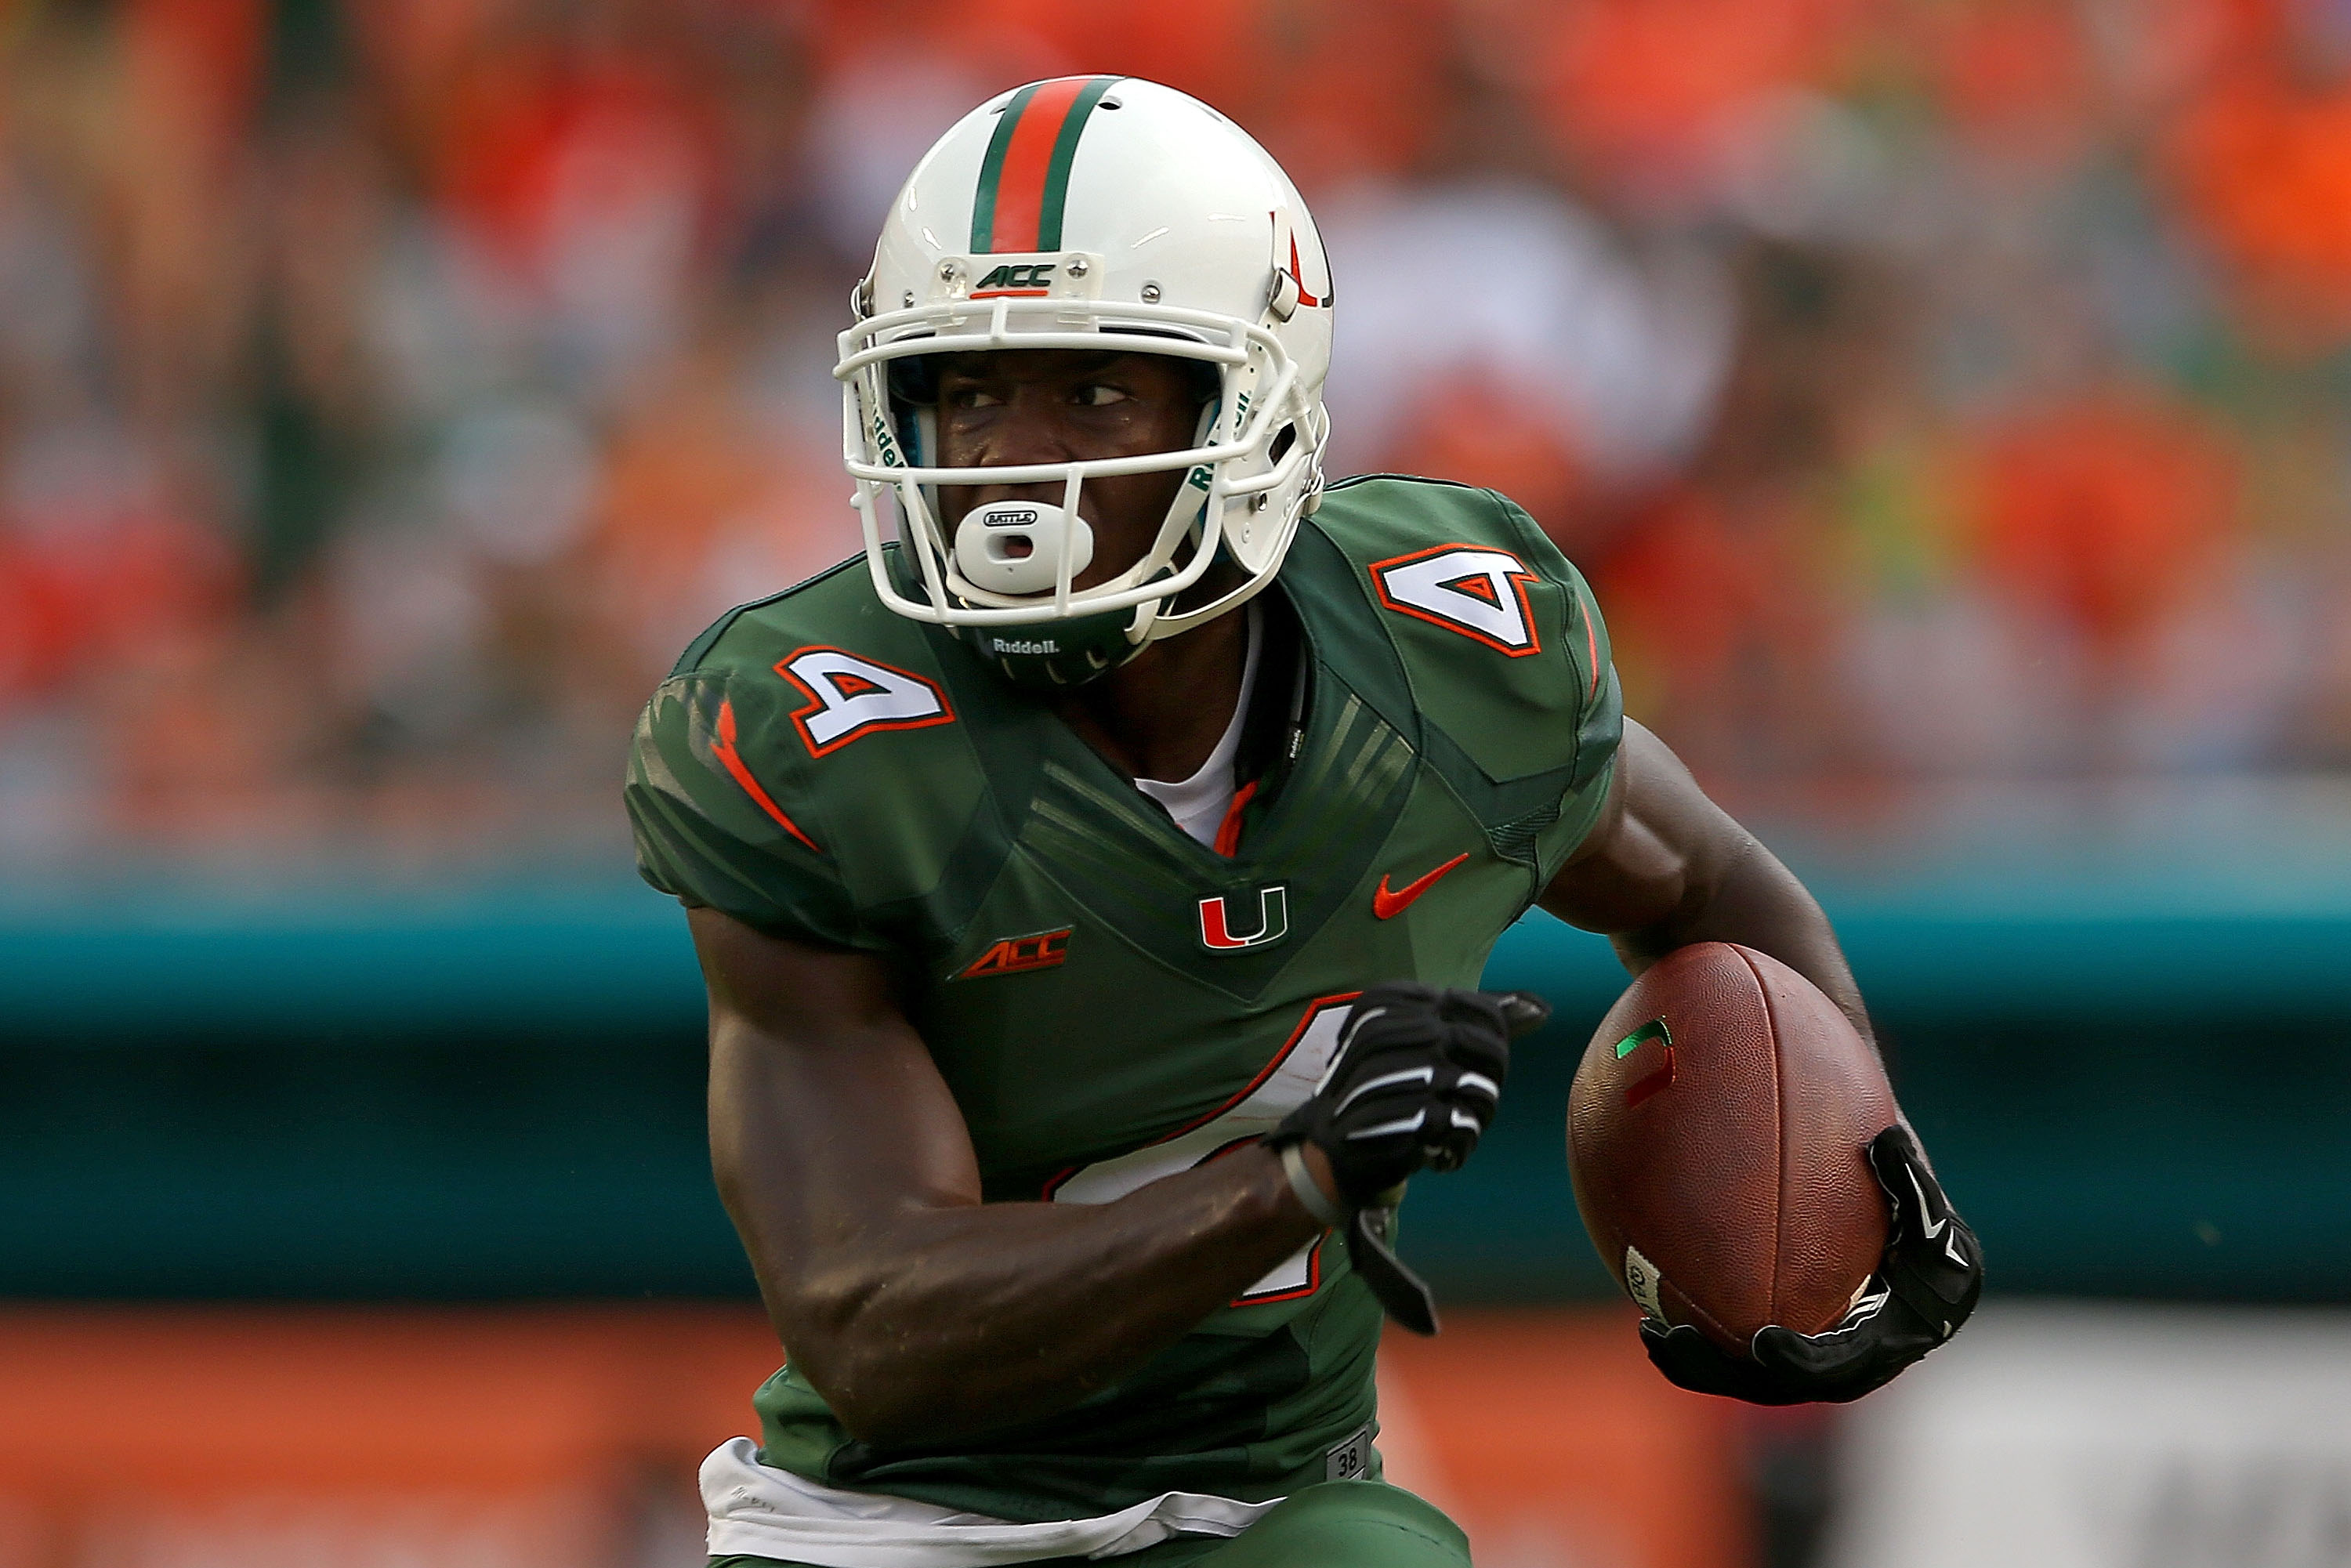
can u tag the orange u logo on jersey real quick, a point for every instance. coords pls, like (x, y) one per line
(1217, 932)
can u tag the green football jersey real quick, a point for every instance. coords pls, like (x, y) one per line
(1109, 1000)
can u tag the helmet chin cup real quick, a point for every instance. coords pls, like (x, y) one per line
(1061, 655)
(1016, 547)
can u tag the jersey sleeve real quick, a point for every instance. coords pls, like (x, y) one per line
(720, 826)
(1599, 705)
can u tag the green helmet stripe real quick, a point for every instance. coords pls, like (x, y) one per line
(991, 168)
(1024, 180)
(1065, 152)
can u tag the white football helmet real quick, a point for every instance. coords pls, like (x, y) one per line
(1055, 216)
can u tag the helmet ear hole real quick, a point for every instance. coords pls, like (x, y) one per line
(1283, 440)
(914, 380)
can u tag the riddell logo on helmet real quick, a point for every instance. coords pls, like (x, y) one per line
(884, 443)
(1020, 275)
(1024, 645)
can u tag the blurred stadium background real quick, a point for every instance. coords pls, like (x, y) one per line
(1950, 399)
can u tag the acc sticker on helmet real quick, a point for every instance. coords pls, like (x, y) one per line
(849, 697)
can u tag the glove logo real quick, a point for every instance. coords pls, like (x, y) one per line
(1935, 1230)
(1216, 933)
(1480, 593)
(1928, 1231)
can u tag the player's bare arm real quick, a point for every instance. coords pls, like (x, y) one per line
(1665, 867)
(916, 1311)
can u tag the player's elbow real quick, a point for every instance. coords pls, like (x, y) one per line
(869, 1371)
(899, 1384)
(879, 1397)
(867, 1395)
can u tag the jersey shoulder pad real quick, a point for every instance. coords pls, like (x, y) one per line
(1498, 635)
(803, 764)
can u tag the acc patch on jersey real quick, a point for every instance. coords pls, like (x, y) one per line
(1018, 955)
(850, 696)
(1475, 590)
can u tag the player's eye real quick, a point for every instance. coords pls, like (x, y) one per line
(968, 397)
(1100, 394)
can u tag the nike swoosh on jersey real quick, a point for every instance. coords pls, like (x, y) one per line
(1387, 905)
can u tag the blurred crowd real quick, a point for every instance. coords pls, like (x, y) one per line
(1932, 389)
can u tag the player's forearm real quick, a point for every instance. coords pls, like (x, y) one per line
(1758, 902)
(1670, 868)
(932, 1324)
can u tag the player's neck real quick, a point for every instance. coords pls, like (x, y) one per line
(1160, 714)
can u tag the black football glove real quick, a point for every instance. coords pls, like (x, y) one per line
(1923, 1290)
(1415, 1082)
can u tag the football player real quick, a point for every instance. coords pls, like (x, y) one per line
(1091, 879)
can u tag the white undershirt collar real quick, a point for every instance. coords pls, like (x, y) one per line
(1199, 803)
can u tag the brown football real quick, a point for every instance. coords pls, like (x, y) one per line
(1716, 1134)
